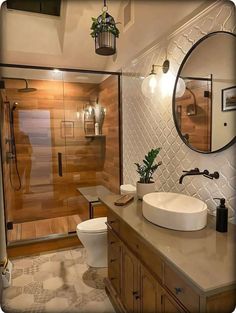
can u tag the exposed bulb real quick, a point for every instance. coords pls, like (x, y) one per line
(180, 88)
(149, 85)
(167, 82)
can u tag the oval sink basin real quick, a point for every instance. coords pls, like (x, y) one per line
(175, 211)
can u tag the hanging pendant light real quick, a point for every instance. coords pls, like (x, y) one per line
(105, 32)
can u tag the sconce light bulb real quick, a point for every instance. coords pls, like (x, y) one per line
(167, 81)
(180, 87)
(149, 85)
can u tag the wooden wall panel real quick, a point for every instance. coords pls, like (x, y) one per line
(108, 98)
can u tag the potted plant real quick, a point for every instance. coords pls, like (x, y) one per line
(146, 170)
(105, 32)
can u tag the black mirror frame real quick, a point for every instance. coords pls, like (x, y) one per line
(174, 91)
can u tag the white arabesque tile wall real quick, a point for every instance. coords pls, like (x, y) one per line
(149, 124)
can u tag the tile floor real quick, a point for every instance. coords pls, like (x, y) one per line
(56, 282)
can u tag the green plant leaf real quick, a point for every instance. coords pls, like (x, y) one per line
(148, 167)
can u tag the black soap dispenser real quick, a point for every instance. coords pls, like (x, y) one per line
(221, 216)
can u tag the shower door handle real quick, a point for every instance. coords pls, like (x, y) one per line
(59, 164)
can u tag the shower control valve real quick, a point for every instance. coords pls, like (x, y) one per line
(10, 156)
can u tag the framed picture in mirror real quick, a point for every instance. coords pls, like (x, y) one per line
(229, 99)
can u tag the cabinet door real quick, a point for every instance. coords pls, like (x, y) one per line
(150, 292)
(114, 260)
(130, 291)
(168, 305)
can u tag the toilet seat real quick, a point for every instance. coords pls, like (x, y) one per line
(96, 225)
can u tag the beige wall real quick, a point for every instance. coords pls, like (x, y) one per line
(61, 41)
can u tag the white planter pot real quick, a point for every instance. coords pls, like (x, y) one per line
(143, 189)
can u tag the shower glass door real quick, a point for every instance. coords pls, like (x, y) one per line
(36, 181)
(60, 133)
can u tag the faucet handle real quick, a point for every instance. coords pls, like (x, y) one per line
(215, 175)
(194, 170)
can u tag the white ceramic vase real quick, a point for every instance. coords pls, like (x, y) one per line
(143, 189)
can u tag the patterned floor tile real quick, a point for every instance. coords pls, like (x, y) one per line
(56, 282)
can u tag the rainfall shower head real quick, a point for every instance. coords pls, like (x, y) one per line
(26, 89)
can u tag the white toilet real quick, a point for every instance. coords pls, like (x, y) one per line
(93, 235)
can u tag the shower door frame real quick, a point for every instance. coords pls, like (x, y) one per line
(115, 73)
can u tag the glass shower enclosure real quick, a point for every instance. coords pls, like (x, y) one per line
(60, 131)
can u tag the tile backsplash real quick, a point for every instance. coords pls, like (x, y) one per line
(149, 124)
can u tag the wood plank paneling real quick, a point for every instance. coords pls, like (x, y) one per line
(108, 98)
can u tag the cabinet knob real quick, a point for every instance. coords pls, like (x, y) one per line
(112, 242)
(112, 260)
(178, 290)
(136, 295)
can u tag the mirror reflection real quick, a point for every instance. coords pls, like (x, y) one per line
(205, 114)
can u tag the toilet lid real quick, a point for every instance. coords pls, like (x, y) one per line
(95, 225)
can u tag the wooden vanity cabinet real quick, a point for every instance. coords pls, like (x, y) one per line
(141, 281)
(130, 284)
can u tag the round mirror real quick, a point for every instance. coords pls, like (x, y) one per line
(205, 112)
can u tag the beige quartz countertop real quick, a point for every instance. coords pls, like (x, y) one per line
(205, 257)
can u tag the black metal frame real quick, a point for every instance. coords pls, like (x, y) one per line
(118, 74)
(174, 91)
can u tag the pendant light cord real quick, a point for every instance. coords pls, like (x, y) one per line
(105, 7)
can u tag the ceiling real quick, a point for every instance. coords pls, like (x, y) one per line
(36, 39)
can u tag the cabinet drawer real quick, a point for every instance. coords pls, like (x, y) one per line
(181, 289)
(129, 237)
(113, 222)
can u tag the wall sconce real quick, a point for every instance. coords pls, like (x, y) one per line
(152, 85)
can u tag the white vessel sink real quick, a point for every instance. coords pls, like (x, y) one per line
(175, 211)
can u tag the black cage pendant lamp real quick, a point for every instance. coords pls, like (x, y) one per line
(105, 32)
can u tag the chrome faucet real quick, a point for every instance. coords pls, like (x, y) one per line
(196, 172)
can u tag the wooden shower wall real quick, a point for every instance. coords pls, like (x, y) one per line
(108, 97)
(48, 121)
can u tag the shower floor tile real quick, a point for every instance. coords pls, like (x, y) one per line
(56, 282)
